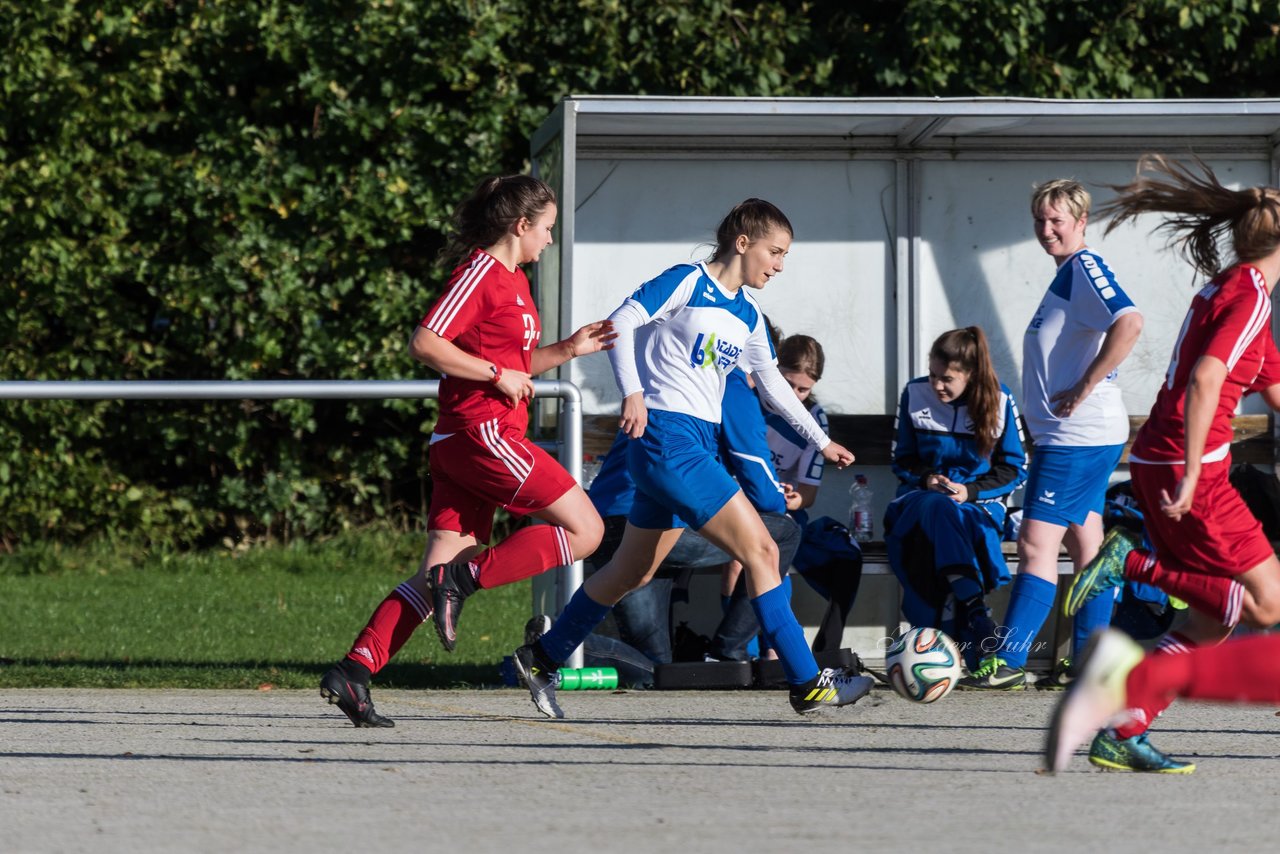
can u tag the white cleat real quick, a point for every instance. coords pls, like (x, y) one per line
(1096, 699)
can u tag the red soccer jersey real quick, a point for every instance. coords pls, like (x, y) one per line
(487, 311)
(1230, 319)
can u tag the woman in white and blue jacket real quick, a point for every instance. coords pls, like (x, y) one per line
(958, 452)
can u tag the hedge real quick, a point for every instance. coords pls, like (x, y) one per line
(256, 189)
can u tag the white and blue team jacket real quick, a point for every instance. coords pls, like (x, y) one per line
(1064, 336)
(936, 437)
(693, 334)
(795, 458)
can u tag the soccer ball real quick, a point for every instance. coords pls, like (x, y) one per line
(923, 665)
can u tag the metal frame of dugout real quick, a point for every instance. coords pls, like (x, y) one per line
(613, 159)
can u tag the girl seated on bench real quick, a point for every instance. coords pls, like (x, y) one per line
(958, 452)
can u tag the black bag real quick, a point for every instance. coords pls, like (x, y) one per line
(688, 645)
(1261, 492)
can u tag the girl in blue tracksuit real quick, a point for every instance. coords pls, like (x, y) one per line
(958, 452)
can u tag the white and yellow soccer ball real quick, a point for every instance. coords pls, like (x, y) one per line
(923, 665)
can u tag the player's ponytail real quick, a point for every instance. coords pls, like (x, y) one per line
(497, 203)
(1205, 212)
(755, 218)
(968, 348)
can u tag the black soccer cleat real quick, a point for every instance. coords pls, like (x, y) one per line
(536, 628)
(352, 698)
(450, 585)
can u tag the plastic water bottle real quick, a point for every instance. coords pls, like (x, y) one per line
(860, 509)
(587, 678)
(590, 468)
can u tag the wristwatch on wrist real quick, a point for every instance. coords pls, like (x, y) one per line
(497, 374)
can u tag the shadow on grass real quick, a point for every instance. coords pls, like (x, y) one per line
(160, 673)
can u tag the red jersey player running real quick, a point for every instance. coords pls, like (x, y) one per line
(1208, 549)
(482, 336)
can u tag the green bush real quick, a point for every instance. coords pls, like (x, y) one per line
(255, 189)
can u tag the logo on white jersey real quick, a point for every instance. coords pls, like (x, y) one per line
(714, 353)
(709, 294)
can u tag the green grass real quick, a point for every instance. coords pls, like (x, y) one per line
(272, 615)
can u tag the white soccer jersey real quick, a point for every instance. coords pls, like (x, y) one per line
(695, 333)
(1065, 335)
(795, 458)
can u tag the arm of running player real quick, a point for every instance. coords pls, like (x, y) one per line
(591, 338)
(1201, 403)
(778, 392)
(635, 415)
(446, 357)
(1116, 346)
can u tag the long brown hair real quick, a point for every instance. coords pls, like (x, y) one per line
(968, 348)
(1204, 211)
(497, 202)
(755, 218)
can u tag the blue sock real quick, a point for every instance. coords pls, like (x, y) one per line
(579, 619)
(778, 622)
(1029, 604)
(1096, 614)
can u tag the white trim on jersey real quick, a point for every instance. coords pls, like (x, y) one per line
(457, 297)
(1217, 455)
(1261, 314)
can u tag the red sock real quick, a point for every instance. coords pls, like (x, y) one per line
(1240, 671)
(1216, 595)
(527, 552)
(390, 626)
(1144, 706)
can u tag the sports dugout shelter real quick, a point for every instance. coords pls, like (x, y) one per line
(911, 217)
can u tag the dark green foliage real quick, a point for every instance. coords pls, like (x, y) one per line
(255, 189)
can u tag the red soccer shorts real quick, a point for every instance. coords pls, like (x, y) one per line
(1218, 537)
(487, 466)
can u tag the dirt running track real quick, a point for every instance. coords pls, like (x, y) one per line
(669, 772)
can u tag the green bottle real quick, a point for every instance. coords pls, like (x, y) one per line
(587, 678)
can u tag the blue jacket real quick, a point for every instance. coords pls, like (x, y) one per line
(933, 437)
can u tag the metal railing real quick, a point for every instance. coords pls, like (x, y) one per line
(569, 578)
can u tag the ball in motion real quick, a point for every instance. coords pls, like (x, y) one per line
(923, 665)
